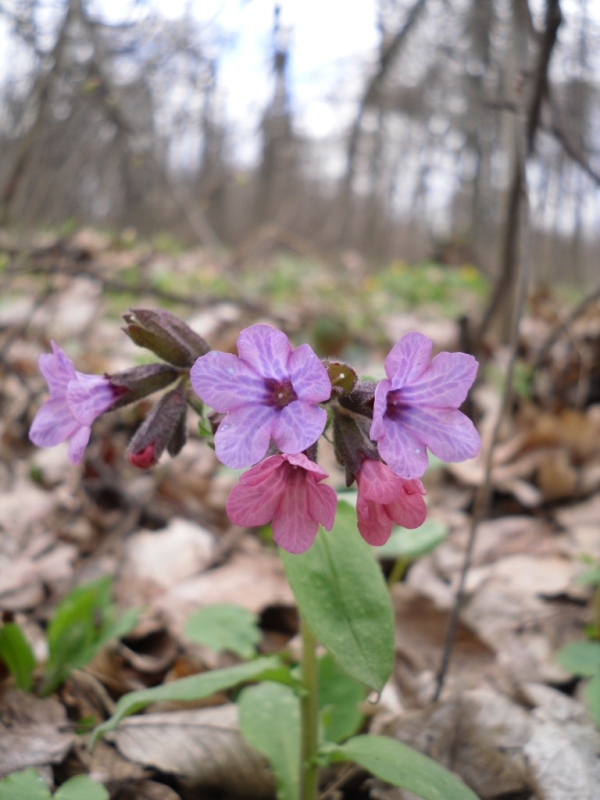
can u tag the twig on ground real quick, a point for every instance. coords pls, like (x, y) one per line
(348, 772)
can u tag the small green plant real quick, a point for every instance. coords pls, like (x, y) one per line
(583, 658)
(83, 622)
(381, 435)
(29, 785)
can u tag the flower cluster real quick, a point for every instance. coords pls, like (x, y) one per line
(268, 403)
(271, 395)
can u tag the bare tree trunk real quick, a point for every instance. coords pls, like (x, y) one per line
(501, 300)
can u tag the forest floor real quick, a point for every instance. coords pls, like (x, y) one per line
(510, 720)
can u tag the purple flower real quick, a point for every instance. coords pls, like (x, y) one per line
(385, 499)
(270, 392)
(416, 407)
(75, 402)
(286, 490)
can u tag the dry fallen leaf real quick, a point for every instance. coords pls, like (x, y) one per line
(252, 579)
(33, 732)
(202, 747)
(479, 734)
(23, 579)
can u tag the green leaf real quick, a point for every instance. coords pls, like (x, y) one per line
(82, 623)
(400, 765)
(17, 654)
(590, 578)
(270, 721)
(592, 697)
(339, 696)
(341, 592)
(25, 785)
(580, 658)
(195, 687)
(225, 627)
(81, 787)
(412, 544)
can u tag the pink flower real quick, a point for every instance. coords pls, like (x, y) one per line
(385, 499)
(416, 407)
(75, 402)
(286, 490)
(270, 392)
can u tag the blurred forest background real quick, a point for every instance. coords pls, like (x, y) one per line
(125, 125)
(454, 190)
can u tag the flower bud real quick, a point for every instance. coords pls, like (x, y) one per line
(163, 428)
(139, 382)
(166, 335)
(342, 376)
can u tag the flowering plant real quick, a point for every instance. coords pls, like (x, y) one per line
(266, 408)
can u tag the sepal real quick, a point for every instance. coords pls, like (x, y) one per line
(361, 398)
(138, 382)
(351, 443)
(165, 335)
(163, 428)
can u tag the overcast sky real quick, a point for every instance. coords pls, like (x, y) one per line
(328, 39)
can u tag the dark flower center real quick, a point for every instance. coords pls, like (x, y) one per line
(279, 393)
(394, 404)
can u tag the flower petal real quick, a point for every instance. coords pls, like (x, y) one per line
(254, 502)
(309, 376)
(225, 383)
(266, 350)
(243, 437)
(403, 448)
(293, 527)
(89, 396)
(374, 525)
(408, 509)
(448, 433)
(297, 426)
(322, 503)
(408, 359)
(53, 423)
(378, 482)
(445, 383)
(78, 443)
(57, 369)
(379, 409)
(262, 471)
(300, 460)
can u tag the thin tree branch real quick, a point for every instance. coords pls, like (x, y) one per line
(564, 326)
(540, 78)
(370, 96)
(556, 130)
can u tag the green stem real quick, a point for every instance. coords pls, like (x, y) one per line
(398, 571)
(596, 613)
(309, 706)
